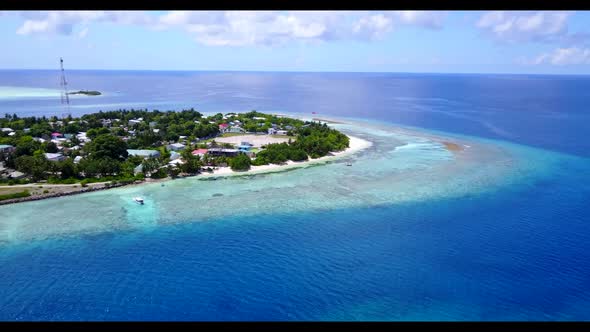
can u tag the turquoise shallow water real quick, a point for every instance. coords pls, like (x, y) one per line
(400, 166)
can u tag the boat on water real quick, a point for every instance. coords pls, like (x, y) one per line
(138, 200)
(349, 164)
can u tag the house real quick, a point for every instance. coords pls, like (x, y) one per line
(223, 127)
(282, 132)
(7, 130)
(272, 131)
(259, 118)
(174, 155)
(16, 175)
(54, 156)
(223, 152)
(135, 121)
(38, 139)
(106, 122)
(244, 146)
(156, 130)
(235, 130)
(77, 159)
(27, 130)
(144, 153)
(56, 135)
(199, 152)
(289, 127)
(68, 136)
(12, 133)
(176, 162)
(5, 148)
(176, 147)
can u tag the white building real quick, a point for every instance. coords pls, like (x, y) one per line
(176, 147)
(55, 156)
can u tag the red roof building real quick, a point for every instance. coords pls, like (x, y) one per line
(199, 152)
(223, 126)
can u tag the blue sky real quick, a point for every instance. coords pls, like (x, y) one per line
(546, 42)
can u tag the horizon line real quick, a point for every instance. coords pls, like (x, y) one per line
(300, 71)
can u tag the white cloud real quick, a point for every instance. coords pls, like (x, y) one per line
(425, 19)
(239, 28)
(373, 27)
(561, 57)
(519, 26)
(63, 22)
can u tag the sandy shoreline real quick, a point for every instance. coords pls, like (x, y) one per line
(356, 144)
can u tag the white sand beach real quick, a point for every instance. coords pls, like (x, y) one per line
(356, 144)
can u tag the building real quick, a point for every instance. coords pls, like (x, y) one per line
(56, 135)
(135, 121)
(55, 156)
(176, 147)
(282, 132)
(223, 152)
(77, 159)
(235, 130)
(174, 155)
(144, 153)
(7, 130)
(176, 162)
(223, 127)
(5, 148)
(272, 131)
(199, 152)
(245, 147)
(16, 175)
(259, 118)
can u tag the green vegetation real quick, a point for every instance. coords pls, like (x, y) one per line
(240, 162)
(21, 194)
(315, 140)
(104, 156)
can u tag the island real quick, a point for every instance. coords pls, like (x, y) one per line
(47, 157)
(85, 92)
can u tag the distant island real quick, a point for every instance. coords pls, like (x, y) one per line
(85, 92)
(47, 157)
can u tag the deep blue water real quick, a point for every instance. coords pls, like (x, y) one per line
(521, 253)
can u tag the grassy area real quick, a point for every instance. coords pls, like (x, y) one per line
(19, 194)
(233, 134)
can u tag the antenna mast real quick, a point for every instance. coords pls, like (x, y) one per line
(65, 99)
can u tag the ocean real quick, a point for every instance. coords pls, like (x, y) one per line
(411, 231)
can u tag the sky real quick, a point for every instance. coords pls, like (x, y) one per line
(519, 42)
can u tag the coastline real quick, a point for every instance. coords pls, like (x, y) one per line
(356, 144)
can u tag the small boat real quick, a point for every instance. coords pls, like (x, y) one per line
(349, 164)
(138, 200)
